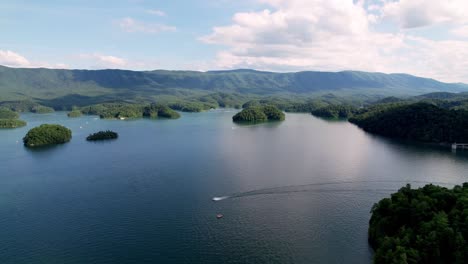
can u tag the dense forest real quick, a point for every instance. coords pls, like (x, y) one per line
(102, 135)
(159, 111)
(10, 119)
(335, 111)
(125, 111)
(74, 113)
(47, 134)
(25, 106)
(419, 122)
(6, 113)
(426, 225)
(259, 114)
(12, 123)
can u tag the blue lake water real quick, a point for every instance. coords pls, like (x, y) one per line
(301, 190)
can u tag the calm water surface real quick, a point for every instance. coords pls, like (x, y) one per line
(301, 190)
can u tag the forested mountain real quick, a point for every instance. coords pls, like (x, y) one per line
(103, 85)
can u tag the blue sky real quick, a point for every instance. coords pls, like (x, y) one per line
(422, 37)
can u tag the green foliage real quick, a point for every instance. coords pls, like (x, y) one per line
(222, 99)
(74, 113)
(426, 225)
(11, 123)
(335, 111)
(102, 135)
(259, 114)
(191, 106)
(420, 122)
(159, 110)
(114, 110)
(47, 135)
(292, 103)
(6, 113)
(40, 109)
(272, 113)
(22, 106)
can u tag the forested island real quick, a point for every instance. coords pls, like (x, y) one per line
(259, 114)
(426, 225)
(12, 123)
(419, 122)
(102, 135)
(130, 111)
(74, 113)
(40, 109)
(10, 119)
(47, 134)
(159, 111)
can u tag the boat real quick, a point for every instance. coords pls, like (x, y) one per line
(219, 216)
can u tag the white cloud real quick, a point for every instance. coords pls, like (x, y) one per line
(13, 59)
(131, 25)
(97, 60)
(156, 12)
(112, 60)
(460, 31)
(331, 35)
(10, 58)
(303, 34)
(421, 13)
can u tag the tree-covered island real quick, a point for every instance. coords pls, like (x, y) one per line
(160, 111)
(426, 225)
(102, 135)
(74, 113)
(12, 123)
(47, 134)
(9, 119)
(6, 113)
(130, 111)
(259, 114)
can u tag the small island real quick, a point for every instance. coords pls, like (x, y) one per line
(426, 225)
(40, 109)
(259, 114)
(6, 113)
(102, 135)
(47, 134)
(74, 114)
(12, 123)
(9, 119)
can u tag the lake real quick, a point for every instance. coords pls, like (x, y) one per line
(299, 191)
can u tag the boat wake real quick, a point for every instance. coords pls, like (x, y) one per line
(324, 187)
(217, 199)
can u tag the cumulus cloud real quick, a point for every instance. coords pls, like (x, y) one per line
(330, 35)
(97, 60)
(303, 34)
(10, 58)
(131, 25)
(421, 13)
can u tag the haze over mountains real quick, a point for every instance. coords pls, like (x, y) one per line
(41, 83)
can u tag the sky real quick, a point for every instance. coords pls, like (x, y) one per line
(427, 38)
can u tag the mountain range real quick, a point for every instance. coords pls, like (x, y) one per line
(112, 84)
